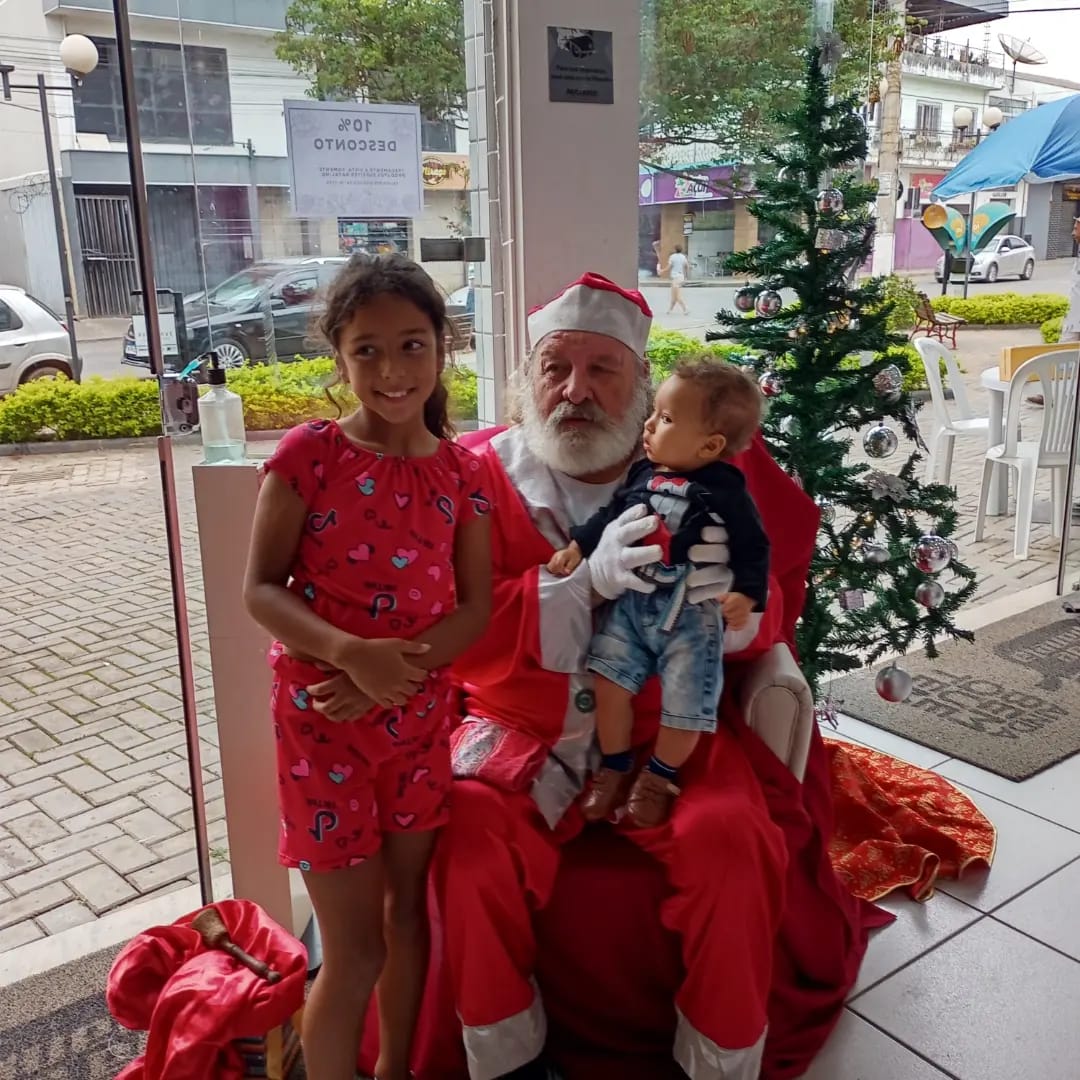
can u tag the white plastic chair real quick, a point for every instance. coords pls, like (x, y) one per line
(950, 427)
(1057, 371)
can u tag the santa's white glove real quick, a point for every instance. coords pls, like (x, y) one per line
(712, 576)
(615, 559)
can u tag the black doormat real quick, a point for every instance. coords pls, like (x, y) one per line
(56, 1026)
(1008, 703)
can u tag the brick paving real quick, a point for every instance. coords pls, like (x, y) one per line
(94, 809)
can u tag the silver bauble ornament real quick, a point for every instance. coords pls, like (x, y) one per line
(827, 508)
(930, 554)
(874, 553)
(930, 594)
(889, 382)
(770, 384)
(893, 684)
(830, 201)
(954, 551)
(880, 442)
(768, 303)
(744, 299)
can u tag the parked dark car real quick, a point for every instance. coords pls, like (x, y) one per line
(235, 318)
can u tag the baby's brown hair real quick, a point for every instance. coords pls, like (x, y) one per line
(731, 402)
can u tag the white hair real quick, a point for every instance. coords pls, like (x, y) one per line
(604, 443)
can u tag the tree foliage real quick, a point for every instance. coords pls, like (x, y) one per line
(380, 51)
(717, 71)
(863, 590)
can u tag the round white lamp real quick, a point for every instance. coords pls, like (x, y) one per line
(992, 118)
(79, 55)
(962, 118)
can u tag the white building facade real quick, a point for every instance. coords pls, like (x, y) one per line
(210, 108)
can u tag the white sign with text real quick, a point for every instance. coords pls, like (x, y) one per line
(349, 159)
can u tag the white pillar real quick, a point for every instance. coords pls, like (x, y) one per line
(559, 178)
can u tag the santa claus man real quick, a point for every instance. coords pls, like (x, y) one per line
(524, 753)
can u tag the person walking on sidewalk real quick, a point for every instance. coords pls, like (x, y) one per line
(678, 268)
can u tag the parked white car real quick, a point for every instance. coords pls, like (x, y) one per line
(33, 341)
(1004, 256)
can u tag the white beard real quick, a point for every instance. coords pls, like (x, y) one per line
(582, 451)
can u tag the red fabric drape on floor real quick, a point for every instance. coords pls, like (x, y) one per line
(900, 827)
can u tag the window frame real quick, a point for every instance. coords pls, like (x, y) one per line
(200, 123)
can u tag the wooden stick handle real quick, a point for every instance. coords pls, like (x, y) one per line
(258, 966)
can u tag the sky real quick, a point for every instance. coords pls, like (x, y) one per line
(1056, 34)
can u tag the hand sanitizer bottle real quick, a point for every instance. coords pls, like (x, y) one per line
(221, 417)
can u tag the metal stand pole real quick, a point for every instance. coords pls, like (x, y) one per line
(140, 213)
(58, 220)
(1070, 477)
(968, 253)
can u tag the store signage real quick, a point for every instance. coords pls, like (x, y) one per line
(1072, 193)
(446, 172)
(693, 187)
(350, 158)
(687, 224)
(581, 65)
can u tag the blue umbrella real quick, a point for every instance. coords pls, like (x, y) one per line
(1039, 146)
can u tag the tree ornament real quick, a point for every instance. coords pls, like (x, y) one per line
(789, 425)
(880, 442)
(874, 553)
(830, 240)
(889, 383)
(930, 554)
(830, 201)
(893, 684)
(954, 551)
(930, 594)
(827, 508)
(771, 385)
(852, 600)
(744, 299)
(884, 485)
(768, 303)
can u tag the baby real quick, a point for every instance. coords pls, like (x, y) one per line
(705, 413)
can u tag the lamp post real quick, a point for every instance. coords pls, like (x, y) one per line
(79, 56)
(962, 119)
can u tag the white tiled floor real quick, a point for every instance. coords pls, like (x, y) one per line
(983, 981)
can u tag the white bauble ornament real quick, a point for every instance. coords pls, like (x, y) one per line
(880, 442)
(930, 554)
(893, 684)
(930, 594)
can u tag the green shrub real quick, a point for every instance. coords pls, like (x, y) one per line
(1003, 309)
(97, 409)
(275, 397)
(903, 294)
(667, 347)
(1051, 330)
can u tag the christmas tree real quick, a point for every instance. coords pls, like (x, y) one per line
(885, 576)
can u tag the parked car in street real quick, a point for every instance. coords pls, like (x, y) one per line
(1004, 256)
(269, 301)
(34, 342)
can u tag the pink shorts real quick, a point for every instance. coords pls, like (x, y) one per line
(341, 786)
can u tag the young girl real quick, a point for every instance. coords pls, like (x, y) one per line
(370, 565)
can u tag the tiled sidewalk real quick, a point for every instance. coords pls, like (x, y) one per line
(93, 776)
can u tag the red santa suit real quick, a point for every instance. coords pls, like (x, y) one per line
(522, 757)
(740, 835)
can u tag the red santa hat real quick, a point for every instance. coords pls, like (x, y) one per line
(595, 304)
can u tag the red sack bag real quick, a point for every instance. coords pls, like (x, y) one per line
(195, 1001)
